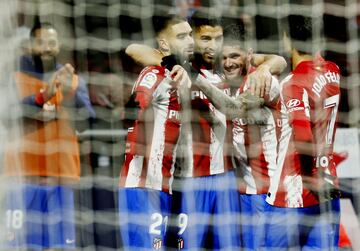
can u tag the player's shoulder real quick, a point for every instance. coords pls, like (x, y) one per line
(332, 66)
(151, 76)
(154, 69)
(285, 81)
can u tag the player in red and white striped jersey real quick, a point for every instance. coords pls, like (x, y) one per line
(255, 141)
(209, 176)
(304, 185)
(254, 134)
(205, 188)
(201, 149)
(151, 142)
(147, 173)
(255, 150)
(205, 185)
(250, 133)
(310, 98)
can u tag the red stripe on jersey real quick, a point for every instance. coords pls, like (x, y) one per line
(256, 159)
(209, 134)
(228, 147)
(125, 170)
(172, 129)
(256, 170)
(302, 130)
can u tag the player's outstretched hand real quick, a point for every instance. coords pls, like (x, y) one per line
(180, 76)
(259, 81)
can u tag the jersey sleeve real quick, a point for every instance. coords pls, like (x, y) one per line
(146, 84)
(296, 100)
(274, 93)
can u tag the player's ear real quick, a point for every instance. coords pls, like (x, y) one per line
(249, 58)
(163, 45)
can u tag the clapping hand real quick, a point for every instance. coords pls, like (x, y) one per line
(61, 79)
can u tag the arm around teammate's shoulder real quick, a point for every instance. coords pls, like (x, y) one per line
(143, 54)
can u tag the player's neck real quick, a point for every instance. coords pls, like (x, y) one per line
(201, 63)
(297, 58)
(164, 53)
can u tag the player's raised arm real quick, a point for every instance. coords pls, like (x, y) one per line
(275, 64)
(267, 65)
(144, 55)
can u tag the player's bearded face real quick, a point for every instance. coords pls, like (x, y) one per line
(45, 48)
(208, 42)
(233, 62)
(180, 40)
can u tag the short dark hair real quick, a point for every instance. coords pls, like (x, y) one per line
(300, 28)
(161, 22)
(40, 25)
(234, 34)
(201, 18)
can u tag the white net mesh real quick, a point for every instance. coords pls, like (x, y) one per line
(93, 36)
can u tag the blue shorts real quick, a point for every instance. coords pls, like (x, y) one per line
(204, 207)
(253, 216)
(309, 228)
(40, 217)
(143, 218)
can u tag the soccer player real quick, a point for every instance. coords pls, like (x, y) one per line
(205, 200)
(207, 175)
(147, 174)
(304, 197)
(40, 206)
(201, 169)
(254, 138)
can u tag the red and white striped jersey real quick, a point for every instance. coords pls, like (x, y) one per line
(205, 145)
(255, 144)
(310, 99)
(152, 141)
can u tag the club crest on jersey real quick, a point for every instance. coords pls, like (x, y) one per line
(157, 243)
(148, 80)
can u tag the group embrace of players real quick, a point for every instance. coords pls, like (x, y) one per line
(222, 156)
(219, 155)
